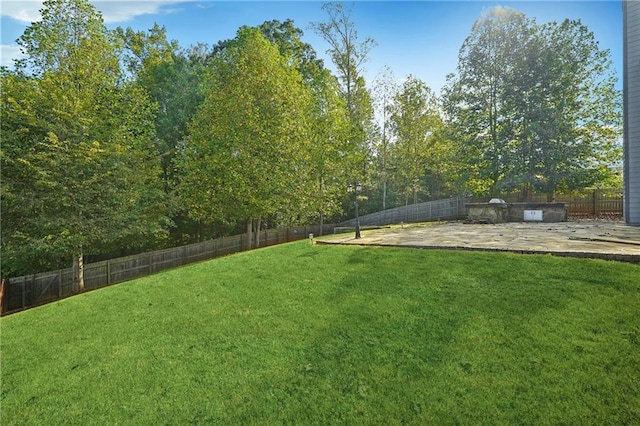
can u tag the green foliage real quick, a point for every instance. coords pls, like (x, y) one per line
(533, 106)
(173, 79)
(326, 162)
(105, 134)
(417, 126)
(142, 52)
(299, 54)
(384, 91)
(79, 163)
(300, 334)
(474, 98)
(72, 40)
(349, 55)
(248, 141)
(346, 51)
(414, 156)
(577, 135)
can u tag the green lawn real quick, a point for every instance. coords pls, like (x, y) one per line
(304, 334)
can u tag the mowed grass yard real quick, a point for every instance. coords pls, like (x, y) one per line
(300, 334)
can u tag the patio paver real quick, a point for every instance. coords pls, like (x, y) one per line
(594, 239)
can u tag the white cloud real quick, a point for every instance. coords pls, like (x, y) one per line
(121, 11)
(112, 11)
(8, 53)
(25, 11)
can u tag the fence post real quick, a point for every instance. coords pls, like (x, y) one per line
(59, 283)
(24, 291)
(4, 285)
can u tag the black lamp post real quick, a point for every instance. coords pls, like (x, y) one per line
(356, 187)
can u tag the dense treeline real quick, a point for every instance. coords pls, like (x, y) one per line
(121, 141)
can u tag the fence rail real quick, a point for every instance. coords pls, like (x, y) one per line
(32, 290)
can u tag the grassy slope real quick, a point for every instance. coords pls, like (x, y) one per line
(300, 334)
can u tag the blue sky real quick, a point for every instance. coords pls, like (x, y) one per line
(414, 37)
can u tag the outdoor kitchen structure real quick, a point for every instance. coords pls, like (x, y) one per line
(497, 211)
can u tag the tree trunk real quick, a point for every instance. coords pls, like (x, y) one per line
(258, 224)
(78, 274)
(321, 207)
(3, 291)
(384, 195)
(551, 196)
(249, 233)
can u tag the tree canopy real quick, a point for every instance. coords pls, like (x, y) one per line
(248, 141)
(533, 107)
(118, 141)
(79, 171)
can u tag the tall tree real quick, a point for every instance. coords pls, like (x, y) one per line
(533, 106)
(349, 55)
(299, 54)
(475, 99)
(173, 78)
(84, 139)
(249, 139)
(416, 123)
(326, 167)
(327, 162)
(327, 118)
(567, 112)
(385, 89)
(142, 51)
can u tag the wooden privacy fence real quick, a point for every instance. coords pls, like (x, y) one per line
(594, 203)
(33, 290)
(448, 208)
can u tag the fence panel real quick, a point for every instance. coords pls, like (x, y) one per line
(275, 236)
(96, 275)
(229, 245)
(450, 208)
(16, 294)
(33, 290)
(197, 252)
(67, 282)
(165, 259)
(127, 268)
(595, 203)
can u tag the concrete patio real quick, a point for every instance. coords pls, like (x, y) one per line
(591, 239)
